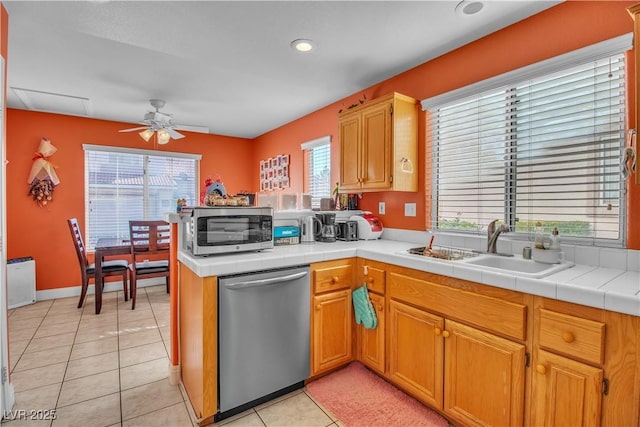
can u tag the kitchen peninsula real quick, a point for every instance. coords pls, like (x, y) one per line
(578, 328)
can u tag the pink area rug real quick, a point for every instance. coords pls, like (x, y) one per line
(359, 398)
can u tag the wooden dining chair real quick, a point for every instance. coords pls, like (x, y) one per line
(117, 267)
(149, 252)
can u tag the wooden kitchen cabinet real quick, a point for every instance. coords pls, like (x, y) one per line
(372, 341)
(379, 145)
(484, 377)
(566, 392)
(416, 353)
(466, 370)
(585, 366)
(331, 320)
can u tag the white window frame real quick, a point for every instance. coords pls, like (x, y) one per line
(591, 53)
(145, 154)
(309, 146)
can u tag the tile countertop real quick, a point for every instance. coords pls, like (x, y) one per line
(595, 286)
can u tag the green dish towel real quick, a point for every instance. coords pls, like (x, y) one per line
(365, 314)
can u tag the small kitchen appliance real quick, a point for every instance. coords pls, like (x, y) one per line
(347, 230)
(310, 229)
(287, 235)
(218, 230)
(369, 226)
(328, 221)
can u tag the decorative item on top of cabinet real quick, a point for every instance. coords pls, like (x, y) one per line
(331, 343)
(372, 341)
(379, 145)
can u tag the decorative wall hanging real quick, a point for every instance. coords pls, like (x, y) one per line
(43, 178)
(274, 173)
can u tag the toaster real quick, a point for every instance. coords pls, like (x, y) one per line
(369, 226)
(347, 230)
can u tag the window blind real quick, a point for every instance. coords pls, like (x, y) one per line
(546, 149)
(133, 185)
(318, 169)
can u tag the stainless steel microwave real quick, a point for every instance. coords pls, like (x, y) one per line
(217, 230)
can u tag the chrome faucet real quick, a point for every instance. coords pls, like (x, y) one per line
(493, 233)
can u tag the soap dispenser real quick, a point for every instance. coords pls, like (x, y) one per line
(555, 240)
(539, 236)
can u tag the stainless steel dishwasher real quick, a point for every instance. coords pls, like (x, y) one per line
(263, 337)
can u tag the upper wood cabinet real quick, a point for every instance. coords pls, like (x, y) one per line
(379, 145)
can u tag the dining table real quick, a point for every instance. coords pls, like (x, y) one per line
(105, 247)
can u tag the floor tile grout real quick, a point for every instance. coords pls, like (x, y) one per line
(121, 323)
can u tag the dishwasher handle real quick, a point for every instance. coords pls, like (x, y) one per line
(266, 282)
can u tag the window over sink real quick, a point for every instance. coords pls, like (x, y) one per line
(123, 184)
(538, 144)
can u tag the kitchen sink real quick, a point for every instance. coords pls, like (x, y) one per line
(498, 263)
(516, 266)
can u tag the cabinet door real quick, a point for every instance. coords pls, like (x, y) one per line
(416, 352)
(331, 330)
(565, 392)
(372, 340)
(350, 152)
(484, 377)
(376, 147)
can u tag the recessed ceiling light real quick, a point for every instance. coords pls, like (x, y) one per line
(302, 45)
(469, 7)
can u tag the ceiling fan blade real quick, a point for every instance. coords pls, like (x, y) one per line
(134, 129)
(173, 134)
(189, 128)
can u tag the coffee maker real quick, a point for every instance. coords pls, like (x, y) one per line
(328, 229)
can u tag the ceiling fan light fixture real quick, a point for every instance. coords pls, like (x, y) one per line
(146, 134)
(302, 45)
(163, 137)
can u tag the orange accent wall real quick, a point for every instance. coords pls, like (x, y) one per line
(563, 28)
(42, 232)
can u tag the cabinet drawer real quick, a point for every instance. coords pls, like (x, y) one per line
(502, 317)
(332, 275)
(375, 279)
(572, 336)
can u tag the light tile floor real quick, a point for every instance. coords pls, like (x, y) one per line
(112, 369)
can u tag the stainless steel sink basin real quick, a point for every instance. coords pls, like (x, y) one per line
(516, 266)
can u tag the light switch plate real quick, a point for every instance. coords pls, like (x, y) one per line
(409, 209)
(381, 208)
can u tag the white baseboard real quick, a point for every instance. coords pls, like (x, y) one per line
(74, 291)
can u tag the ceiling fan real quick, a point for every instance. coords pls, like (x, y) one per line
(160, 123)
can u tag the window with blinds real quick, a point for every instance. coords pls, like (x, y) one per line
(123, 185)
(317, 157)
(545, 149)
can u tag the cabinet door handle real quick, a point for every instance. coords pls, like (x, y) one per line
(568, 337)
(445, 334)
(318, 307)
(334, 280)
(437, 331)
(541, 369)
(371, 280)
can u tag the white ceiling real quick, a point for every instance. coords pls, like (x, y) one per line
(226, 65)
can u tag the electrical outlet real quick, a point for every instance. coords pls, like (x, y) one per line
(409, 209)
(381, 208)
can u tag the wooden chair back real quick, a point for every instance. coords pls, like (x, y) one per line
(149, 237)
(81, 250)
